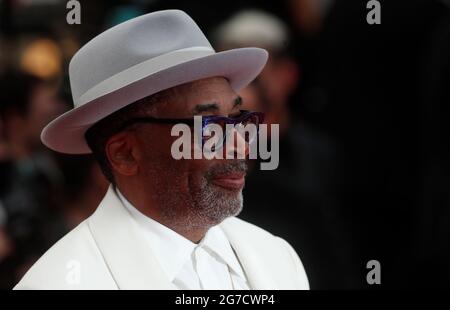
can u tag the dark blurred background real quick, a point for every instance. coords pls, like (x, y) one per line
(363, 111)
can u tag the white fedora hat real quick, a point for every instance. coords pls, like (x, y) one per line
(138, 58)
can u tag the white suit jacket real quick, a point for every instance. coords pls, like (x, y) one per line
(108, 251)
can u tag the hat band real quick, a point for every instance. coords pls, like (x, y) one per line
(142, 70)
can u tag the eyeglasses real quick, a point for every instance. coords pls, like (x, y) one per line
(241, 121)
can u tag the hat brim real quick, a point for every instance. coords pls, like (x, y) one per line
(66, 134)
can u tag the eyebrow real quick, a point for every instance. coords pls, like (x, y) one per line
(214, 106)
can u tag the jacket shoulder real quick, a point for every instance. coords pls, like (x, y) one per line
(74, 262)
(277, 253)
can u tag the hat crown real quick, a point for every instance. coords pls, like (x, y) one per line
(131, 43)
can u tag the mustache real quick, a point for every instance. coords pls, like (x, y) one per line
(234, 166)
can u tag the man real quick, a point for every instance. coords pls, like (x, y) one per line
(164, 223)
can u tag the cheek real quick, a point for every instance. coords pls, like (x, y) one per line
(156, 143)
(156, 158)
(198, 170)
(159, 164)
(151, 149)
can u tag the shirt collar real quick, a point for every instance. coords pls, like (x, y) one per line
(216, 241)
(170, 248)
(173, 250)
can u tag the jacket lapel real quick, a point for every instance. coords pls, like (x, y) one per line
(124, 248)
(253, 256)
(133, 266)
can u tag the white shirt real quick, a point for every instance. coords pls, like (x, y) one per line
(211, 264)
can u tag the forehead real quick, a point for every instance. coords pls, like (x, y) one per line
(186, 99)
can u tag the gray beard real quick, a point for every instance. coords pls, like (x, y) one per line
(205, 205)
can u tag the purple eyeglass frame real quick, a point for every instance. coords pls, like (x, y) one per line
(206, 120)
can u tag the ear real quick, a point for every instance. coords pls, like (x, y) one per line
(121, 152)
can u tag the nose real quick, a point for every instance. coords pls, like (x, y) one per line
(236, 147)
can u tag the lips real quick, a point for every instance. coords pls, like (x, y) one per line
(230, 181)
